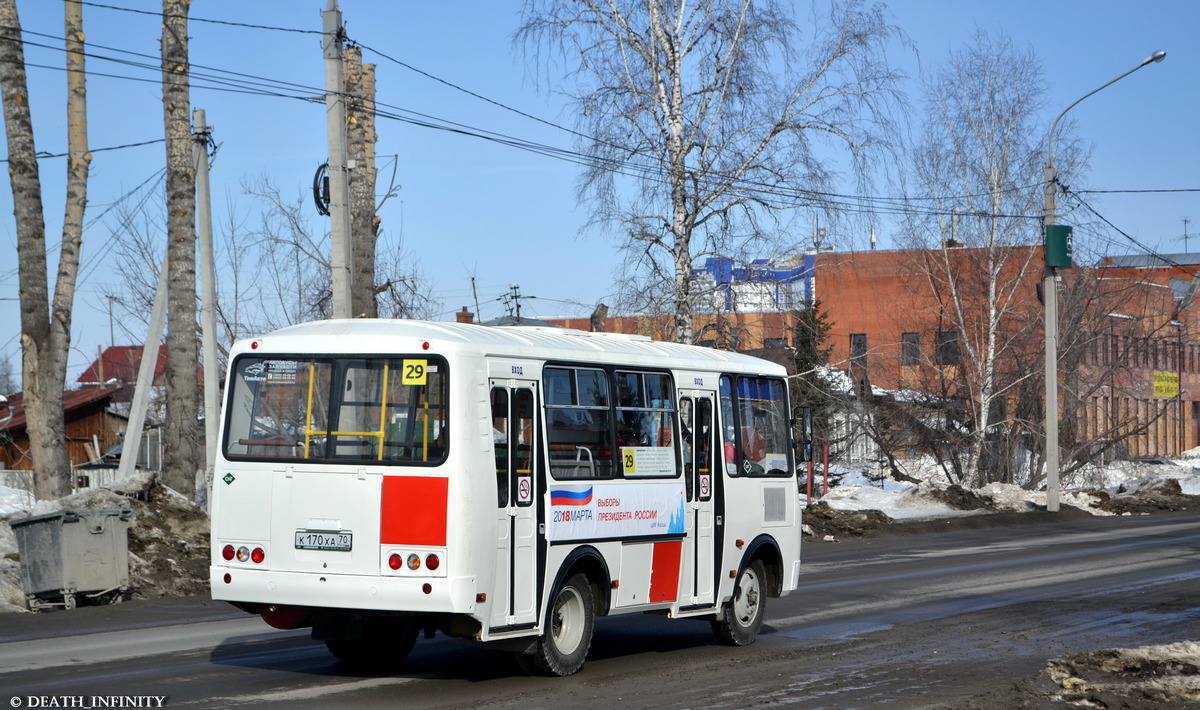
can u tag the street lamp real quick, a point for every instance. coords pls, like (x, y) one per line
(1050, 293)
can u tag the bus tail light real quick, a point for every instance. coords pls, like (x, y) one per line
(243, 553)
(394, 561)
(227, 552)
(414, 562)
(432, 562)
(258, 555)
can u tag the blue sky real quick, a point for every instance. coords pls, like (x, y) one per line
(475, 208)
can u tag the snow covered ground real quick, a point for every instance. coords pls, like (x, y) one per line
(860, 488)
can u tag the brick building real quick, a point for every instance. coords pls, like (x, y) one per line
(914, 320)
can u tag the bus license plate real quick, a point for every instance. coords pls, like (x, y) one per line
(340, 542)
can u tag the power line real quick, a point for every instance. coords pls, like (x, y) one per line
(759, 191)
(215, 79)
(195, 19)
(41, 155)
(1147, 250)
(1137, 192)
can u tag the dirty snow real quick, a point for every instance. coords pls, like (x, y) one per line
(168, 537)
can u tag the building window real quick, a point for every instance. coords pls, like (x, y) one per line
(910, 349)
(858, 349)
(775, 343)
(947, 347)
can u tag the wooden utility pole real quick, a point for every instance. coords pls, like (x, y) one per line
(183, 392)
(341, 258)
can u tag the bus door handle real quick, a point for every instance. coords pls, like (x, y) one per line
(718, 520)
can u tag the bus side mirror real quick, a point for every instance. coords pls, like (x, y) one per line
(804, 447)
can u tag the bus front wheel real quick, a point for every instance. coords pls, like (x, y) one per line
(564, 643)
(744, 613)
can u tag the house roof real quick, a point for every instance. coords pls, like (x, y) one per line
(121, 363)
(72, 400)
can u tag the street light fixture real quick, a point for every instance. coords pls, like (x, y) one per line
(1050, 293)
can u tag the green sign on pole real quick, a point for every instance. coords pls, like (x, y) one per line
(1059, 246)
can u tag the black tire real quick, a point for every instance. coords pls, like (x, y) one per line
(383, 647)
(743, 615)
(564, 643)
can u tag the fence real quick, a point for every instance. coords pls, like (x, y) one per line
(21, 480)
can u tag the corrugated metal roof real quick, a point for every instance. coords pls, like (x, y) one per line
(1154, 260)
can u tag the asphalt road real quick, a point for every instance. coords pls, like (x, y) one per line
(905, 621)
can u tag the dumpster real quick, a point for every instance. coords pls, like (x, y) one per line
(73, 556)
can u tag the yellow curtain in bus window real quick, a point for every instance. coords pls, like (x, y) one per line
(1166, 384)
(414, 372)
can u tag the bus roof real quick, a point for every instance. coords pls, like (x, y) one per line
(371, 336)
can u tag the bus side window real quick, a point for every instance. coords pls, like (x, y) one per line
(578, 423)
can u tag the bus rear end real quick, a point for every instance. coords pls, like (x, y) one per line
(331, 501)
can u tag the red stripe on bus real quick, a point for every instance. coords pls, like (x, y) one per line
(413, 511)
(664, 572)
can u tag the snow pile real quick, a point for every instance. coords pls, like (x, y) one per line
(1089, 489)
(899, 501)
(1161, 675)
(168, 536)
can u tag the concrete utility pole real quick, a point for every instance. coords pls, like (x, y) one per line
(132, 444)
(341, 259)
(208, 290)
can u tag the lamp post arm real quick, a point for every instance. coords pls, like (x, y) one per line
(1156, 57)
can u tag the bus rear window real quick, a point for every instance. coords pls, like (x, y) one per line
(369, 410)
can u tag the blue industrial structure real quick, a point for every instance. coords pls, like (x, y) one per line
(761, 285)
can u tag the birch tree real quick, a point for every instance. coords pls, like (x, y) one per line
(977, 169)
(45, 325)
(702, 120)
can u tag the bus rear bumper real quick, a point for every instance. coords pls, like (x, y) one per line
(455, 595)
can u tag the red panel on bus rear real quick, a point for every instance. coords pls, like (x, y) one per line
(413, 511)
(664, 573)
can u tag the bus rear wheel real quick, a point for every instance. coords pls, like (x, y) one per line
(744, 613)
(564, 644)
(382, 647)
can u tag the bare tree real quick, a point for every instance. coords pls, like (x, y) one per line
(711, 115)
(1112, 331)
(181, 460)
(45, 326)
(978, 164)
(9, 384)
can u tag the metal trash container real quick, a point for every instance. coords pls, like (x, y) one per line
(71, 554)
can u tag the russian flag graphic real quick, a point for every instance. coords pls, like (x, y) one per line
(570, 496)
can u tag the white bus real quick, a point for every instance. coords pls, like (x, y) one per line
(379, 478)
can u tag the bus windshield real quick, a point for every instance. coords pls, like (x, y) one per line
(338, 409)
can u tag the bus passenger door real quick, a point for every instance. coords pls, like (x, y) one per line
(696, 411)
(513, 597)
